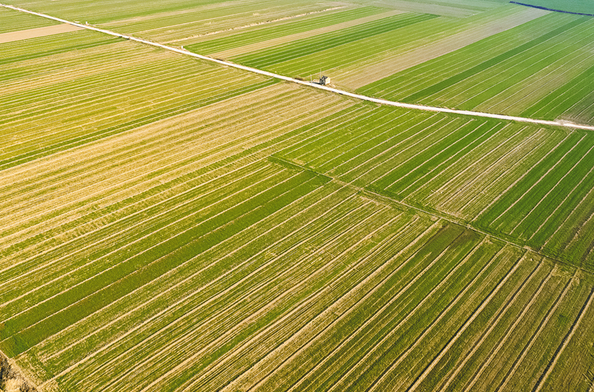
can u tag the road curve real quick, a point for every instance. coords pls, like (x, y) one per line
(558, 123)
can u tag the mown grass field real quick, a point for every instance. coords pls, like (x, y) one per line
(171, 225)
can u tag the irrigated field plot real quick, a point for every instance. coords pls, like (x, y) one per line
(530, 184)
(169, 224)
(540, 69)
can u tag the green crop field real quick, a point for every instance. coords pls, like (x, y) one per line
(504, 73)
(522, 182)
(11, 21)
(173, 224)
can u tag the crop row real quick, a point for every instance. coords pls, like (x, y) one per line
(512, 180)
(15, 21)
(267, 58)
(550, 51)
(376, 48)
(216, 44)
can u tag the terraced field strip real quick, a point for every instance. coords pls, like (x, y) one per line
(325, 88)
(578, 7)
(389, 65)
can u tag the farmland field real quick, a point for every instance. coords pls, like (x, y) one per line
(552, 51)
(11, 21)
(171, 224)
(523, 182)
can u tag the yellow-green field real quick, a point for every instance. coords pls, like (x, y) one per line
(170, 224)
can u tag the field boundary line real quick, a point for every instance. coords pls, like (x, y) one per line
(557, 123)
(550, 9)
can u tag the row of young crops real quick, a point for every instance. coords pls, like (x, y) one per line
(13, 21)
(525, 183)
(107, 88)
(172, 225)
(538, 69)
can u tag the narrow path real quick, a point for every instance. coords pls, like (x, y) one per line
(558, 123)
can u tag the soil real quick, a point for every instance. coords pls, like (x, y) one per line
(10, 379)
